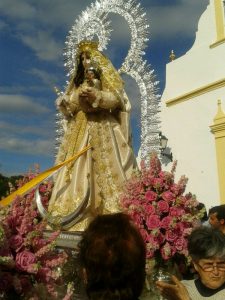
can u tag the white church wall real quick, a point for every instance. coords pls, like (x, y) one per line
(186, 124)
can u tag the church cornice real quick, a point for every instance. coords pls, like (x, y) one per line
(196, 92)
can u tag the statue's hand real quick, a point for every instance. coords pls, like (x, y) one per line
(88, 95)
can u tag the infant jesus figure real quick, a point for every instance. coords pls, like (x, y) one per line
(92, 79)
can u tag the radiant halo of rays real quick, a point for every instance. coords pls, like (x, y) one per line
(94, 23)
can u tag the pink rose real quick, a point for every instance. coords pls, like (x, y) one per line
(150, 196)
(170, 235)
(175, 188)
(179, 227)
(168, 196)
(153, 221)
(16, 242)
(149, 209)
(163, 206)
(158, 183)
(180, 244)
(167, 222)
(176, 211)
(24, 260)
(134, 203)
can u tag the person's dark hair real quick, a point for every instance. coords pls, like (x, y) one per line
(79, 77)
(112, 252)
(219, 210)
(206, 242)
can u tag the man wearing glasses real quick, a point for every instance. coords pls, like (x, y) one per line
(207, 249)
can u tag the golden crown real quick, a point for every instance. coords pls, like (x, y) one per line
(87, 45)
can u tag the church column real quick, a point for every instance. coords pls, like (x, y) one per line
(218, 129)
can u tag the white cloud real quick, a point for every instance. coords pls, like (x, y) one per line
(43, 44)
(20, 104)
(19, 145)
(55, 13)
(46, 77)
(21, 9)
(27, 138)
(167, 20)
(21, 89)
(37, 24)
(42, 130)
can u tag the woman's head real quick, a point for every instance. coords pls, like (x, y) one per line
(206, 242)
(207, 249)
(112, 252)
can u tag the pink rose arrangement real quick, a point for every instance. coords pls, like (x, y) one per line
(30, 265)
(161, 210)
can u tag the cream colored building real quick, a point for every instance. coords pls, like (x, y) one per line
(192, 109)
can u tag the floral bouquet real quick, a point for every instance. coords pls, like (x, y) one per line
(161, 210)
(30, 266)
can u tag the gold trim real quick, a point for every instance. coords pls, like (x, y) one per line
(217, 43)
(219, 18)
(218, 129)
(197, 92)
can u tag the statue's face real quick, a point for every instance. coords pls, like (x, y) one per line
(85, 58)
(90, 75)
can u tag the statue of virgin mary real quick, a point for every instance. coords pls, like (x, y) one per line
(97, 116)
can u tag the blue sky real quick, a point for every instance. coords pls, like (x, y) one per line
(32, 36)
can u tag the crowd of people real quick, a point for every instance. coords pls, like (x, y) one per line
(112, 258)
